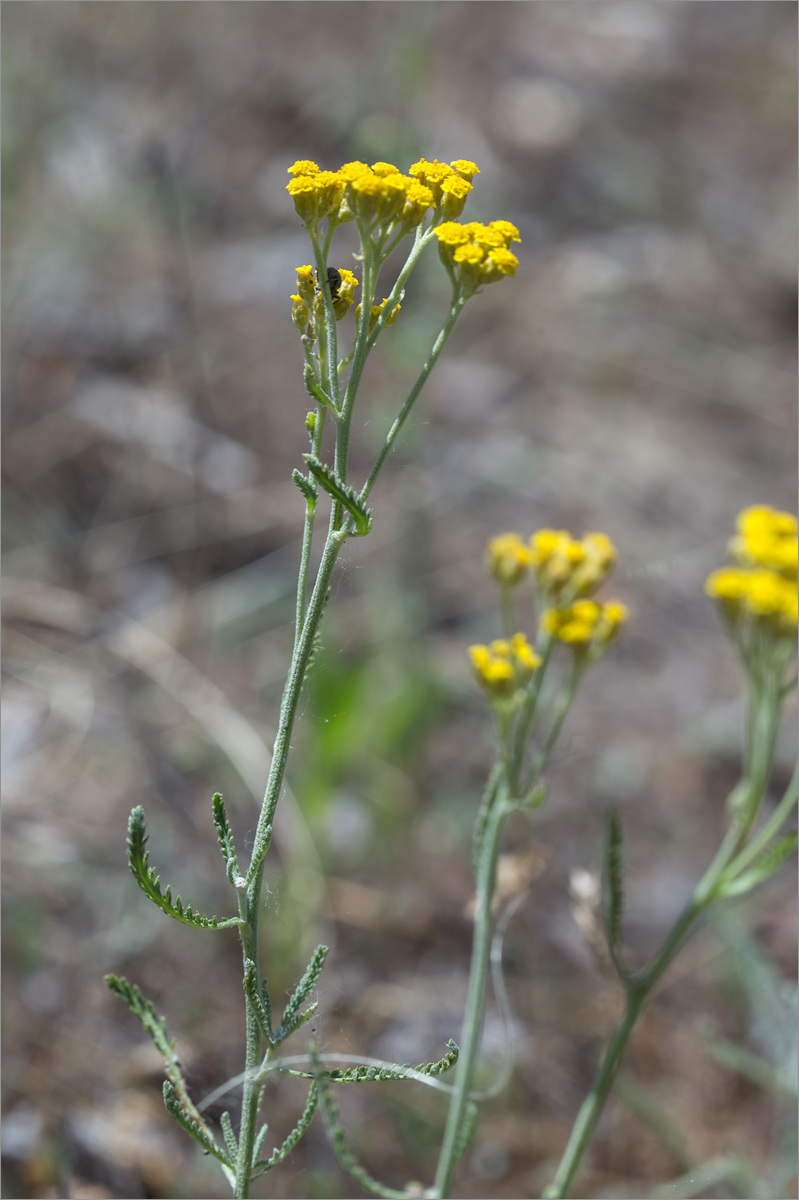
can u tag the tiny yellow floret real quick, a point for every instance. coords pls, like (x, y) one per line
(303, 166)
(467, 170)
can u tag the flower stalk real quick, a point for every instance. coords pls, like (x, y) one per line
(386, 207)
(530, 685)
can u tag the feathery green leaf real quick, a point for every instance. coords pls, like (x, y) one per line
(156, 1027)
(336, 1134)
(346, 496)
(263, 1012)
(258, 1144)
(613, 907)
(396, 1071)
(225, 834)
(199, 1131)
(229, 1136)
(150, 883)
(265, 1164)
(314, 390)
(306, 487)
(388, 1072)
(292, 1018)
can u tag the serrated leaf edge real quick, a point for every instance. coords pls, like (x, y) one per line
(328, 480)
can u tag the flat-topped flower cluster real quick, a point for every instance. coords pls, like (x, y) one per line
(505, 665)
(386, 205)
(566, 572)
(380, 196)
(757, 596)
(759, 593)
(475, 254)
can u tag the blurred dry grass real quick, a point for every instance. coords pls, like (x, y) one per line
(638, 376)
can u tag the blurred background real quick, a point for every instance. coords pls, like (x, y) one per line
(638, 376)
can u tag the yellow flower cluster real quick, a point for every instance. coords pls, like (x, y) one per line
(476, 254)
(586, 625)
(380, 197)
(563, 566)
(307, 303)
(567, 571)
(762, 589)
(767, 538)
(505, 665)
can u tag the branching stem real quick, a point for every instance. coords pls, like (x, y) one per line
(762, 731)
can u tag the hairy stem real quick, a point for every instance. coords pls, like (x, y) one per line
(475, 1003)
(249, 901)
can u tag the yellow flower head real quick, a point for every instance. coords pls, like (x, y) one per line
(508, 558)
(504, 666)
(316, 195)
(303, 166)
(306, 283)
(300, 313)
(500, 263)
(343, 294)
(598, 557)
(353, 170)
(432, 175)
(418, 200)
(375, 312)
(454, 191)
(524, 655)
(467, 170)
(378, 198)
(509, 231)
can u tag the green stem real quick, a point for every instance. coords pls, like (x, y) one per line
(402, 416)
(763, 726)
(422, 238)
(307, 532)
(249, 899)
(527, 721)
(562, 706)
(508, 613)
(251, 1091)
(592, 1106)
(475, 1003)
(359, 356)
(307, 624)
(770, 830)
(330, 380)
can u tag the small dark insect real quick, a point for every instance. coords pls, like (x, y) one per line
(334, 282)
